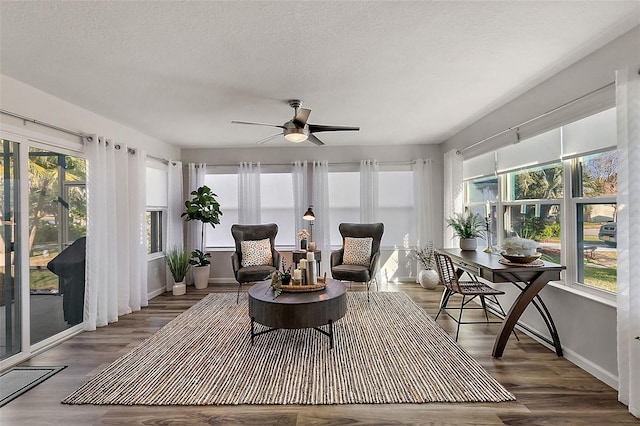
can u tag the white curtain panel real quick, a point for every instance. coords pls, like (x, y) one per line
(116, 233)
(300, 195)
(628, 234)
(320, 201)
(369, 191)
(453, 202)
(249, 193)
(195, 179)
(175, 207)
(423, 201)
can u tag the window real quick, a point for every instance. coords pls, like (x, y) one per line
(395, 199)
(344, 202)
(536, 196)
(276, 201)
(595, 190)
(154, 231)
(481, 195)
(225, 186)
(157, 202)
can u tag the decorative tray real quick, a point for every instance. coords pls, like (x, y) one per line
(521, 259)
(302, 288)
(297, 287)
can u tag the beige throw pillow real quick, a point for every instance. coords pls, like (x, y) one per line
(256, 253)
(357, 251)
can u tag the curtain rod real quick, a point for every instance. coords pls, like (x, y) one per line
(70, 132)
(42, 123)
(516, 128)
(353, 163)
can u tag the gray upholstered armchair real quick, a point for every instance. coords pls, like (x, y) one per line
(358, 270)
(247, 271)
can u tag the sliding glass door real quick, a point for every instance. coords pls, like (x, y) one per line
(10, 306)
(57, 227)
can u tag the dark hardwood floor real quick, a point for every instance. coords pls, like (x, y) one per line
(549, 390)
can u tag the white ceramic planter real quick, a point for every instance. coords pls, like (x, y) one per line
(201, 276)
(468, 244)
(428, 279)
(179, 288)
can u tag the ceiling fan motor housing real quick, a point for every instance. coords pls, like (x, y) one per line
(294, 133)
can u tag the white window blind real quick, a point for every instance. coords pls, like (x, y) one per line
(157, 182)
(480, 166)
(535, 151)
(591, 134)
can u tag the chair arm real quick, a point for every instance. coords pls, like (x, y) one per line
(373, 264)
(336, 257)
(235, 263)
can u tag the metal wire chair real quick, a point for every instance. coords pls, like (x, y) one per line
(469, 290)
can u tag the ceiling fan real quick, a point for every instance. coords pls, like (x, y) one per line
(297, 129)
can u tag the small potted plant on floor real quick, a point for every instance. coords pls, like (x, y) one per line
(467, 226)
(427, 276)
(205, 208)
(178, 264)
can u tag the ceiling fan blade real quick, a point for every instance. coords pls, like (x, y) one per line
(302, 116)
(257, 124)
(313, 128)
(261, 141)
(313, 139)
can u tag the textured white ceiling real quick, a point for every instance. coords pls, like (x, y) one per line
(405, 72)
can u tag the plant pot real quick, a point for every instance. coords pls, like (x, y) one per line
(201, 276)
(179, 288)
(468, 244)
(286, 279)
(428, 278)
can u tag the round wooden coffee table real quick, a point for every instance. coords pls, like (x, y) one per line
(297, 310)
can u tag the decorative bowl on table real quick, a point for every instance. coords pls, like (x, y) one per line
(521, 258)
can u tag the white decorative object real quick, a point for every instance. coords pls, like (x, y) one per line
(179, 288)
(468, 244)
(201, 276)
(428, 278)
(516, 246)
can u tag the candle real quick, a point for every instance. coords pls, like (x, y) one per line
(297, 274)
(303, 263)
(311, 256)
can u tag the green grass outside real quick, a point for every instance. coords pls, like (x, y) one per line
(602, 278)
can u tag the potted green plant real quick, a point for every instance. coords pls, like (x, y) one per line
(202, 207)
(427, 276)
(200, 261)
(467, 226)
(178, 265)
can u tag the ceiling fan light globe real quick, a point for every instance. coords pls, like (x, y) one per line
(296, 137)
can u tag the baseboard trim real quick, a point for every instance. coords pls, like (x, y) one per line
(155, 293)
(229, 280)
(575, 358)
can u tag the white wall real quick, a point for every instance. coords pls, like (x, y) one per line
(221, 264)
(30, 102)
(587, 327)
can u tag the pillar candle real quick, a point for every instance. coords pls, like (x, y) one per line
(297, 274)
(303, 263)
(311, 256)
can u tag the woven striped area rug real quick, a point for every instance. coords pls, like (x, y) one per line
(386, 351)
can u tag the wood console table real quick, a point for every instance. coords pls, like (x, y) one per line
(530, 280)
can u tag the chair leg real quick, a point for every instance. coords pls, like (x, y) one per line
(238, 295)
(460, 318)
(484, 307)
